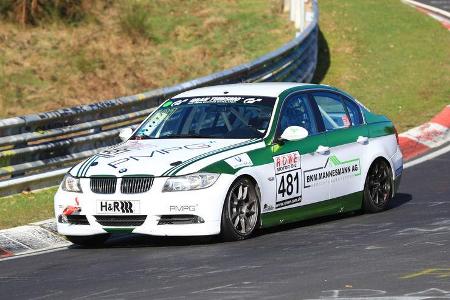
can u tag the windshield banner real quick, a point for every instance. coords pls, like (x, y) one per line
(265, 101)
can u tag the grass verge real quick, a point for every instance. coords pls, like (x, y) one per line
(25, 208)
(388, 55)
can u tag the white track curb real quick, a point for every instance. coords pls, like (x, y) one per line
(34, 237)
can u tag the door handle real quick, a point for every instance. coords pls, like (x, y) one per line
(323, 149)
(363, 140)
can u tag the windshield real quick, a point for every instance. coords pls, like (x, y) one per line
(228, 117)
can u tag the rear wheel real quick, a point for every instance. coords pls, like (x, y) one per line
(378, 187)
(89, 240)
(240, 214)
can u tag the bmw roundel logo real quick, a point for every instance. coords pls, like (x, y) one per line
(122, 170)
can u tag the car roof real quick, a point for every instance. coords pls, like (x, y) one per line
(265, 89)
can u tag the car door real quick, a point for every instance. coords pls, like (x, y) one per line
(347, 138)
(293, 160)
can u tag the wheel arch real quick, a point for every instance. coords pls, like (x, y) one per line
(253, 180)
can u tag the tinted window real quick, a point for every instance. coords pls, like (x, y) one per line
(333, 112)
(296, 112)
(209, 117)
(354, 112)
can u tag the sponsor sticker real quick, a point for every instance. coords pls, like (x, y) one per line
(288, 177)
(287, 162)
(268, 207)
(266, 101)
(157, 153)
(239, 161)
(118, 207)
(334, 169)
(183, 208)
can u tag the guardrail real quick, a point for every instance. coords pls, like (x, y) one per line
(36, 150)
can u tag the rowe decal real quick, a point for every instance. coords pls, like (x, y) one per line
(288, 176)
(333, 169)
(287, 162)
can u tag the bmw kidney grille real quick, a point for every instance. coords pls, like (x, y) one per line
(129, 185)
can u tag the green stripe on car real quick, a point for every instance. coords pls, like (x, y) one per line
(178, 168)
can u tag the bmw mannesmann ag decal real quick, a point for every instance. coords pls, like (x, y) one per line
(334, 168)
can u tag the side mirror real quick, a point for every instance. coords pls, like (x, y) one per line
(294, 133)
(125, 134)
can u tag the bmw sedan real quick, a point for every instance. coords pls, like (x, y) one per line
(230, 159)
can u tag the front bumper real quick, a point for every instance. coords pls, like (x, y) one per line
(205, 205)
(397, 166)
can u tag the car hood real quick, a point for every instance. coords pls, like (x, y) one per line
(161, 157)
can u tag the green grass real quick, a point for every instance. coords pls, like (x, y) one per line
(389, 56)
(25, 208)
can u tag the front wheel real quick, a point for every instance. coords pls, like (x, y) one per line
(89, 240)
(378, 187)
(240, 214)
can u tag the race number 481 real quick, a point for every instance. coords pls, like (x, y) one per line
(289, 184)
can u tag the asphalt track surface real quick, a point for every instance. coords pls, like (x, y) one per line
(402, 253)
(441, 4)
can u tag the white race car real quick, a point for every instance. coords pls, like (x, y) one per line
(233, 158)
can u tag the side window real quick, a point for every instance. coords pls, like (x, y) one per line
(332, 110)
(296, 112)
(354, 111)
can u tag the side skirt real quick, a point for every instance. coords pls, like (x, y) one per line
(337, 205)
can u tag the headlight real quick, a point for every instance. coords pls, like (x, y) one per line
(71, 184)
(190, 182)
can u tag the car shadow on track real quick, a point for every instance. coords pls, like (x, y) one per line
(399, 200)
(140, 240)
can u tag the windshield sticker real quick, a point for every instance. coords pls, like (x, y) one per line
(334, 170)
(239, 161)
(168, 103)
(266, 101)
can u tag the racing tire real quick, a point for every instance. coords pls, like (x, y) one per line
(88, 241)
(378, 187)
(241, 210)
